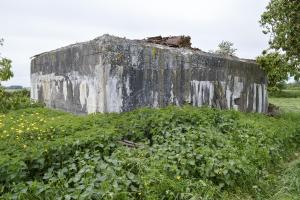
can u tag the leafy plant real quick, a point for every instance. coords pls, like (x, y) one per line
(5, 67)
(16, 100)
(225, 48)
(179, 153)
(277, 68)
(281, 22)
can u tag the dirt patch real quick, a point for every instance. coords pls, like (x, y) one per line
(273, 110)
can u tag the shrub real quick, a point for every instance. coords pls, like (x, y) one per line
(180, 153)
(16, 100)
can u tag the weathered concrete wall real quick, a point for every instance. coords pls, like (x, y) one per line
(111, 74)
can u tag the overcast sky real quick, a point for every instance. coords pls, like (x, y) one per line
(30, 27)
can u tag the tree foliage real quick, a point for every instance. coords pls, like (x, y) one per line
(281, 21)
(5, 67)
(225, 48)
(277, 68)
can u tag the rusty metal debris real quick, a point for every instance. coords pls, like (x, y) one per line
(128, 143)
(172, 41)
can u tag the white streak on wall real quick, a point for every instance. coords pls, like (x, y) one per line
(171, 95)
(65, 89)
(228, 97)
(260, 97)
(211, 93)
(134, 60)
(197, 93)
(199, 90)
(114, 95)
(260, 94)
(265, 103)
(83, 93)
(128, 91)
(101, 71)
(91, 100)
(237, 90)
(155, 102)
(34, 89)
(254, 97)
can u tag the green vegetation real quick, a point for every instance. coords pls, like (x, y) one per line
(5, 67)
(286, 93)
(177, 153)
(15, 100)
(282, 58)
(281, 22)
(288, 100)
(225, 48)
(277, 68)
(288, 183)
(293, 86)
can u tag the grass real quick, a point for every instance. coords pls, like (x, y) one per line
(287, 104)
(287, 93)
(288, 182)
(287, 100)
(173, 153)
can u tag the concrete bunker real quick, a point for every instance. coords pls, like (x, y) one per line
(112, 74)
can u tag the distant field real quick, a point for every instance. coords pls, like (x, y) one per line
(287, 100)
(286, 104)
(289, 93)
(15, 90)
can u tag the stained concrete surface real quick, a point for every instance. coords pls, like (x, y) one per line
(112, 74)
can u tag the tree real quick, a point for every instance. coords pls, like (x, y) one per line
(281, 21)
(277, 67)
(225, 48)
(5, 67)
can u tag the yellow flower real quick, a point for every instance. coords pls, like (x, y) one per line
(178, 177)
(24, 145)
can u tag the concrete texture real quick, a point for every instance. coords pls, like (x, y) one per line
(112, 74)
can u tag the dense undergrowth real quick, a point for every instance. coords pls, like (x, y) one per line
(15, 100)
(179, 153)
